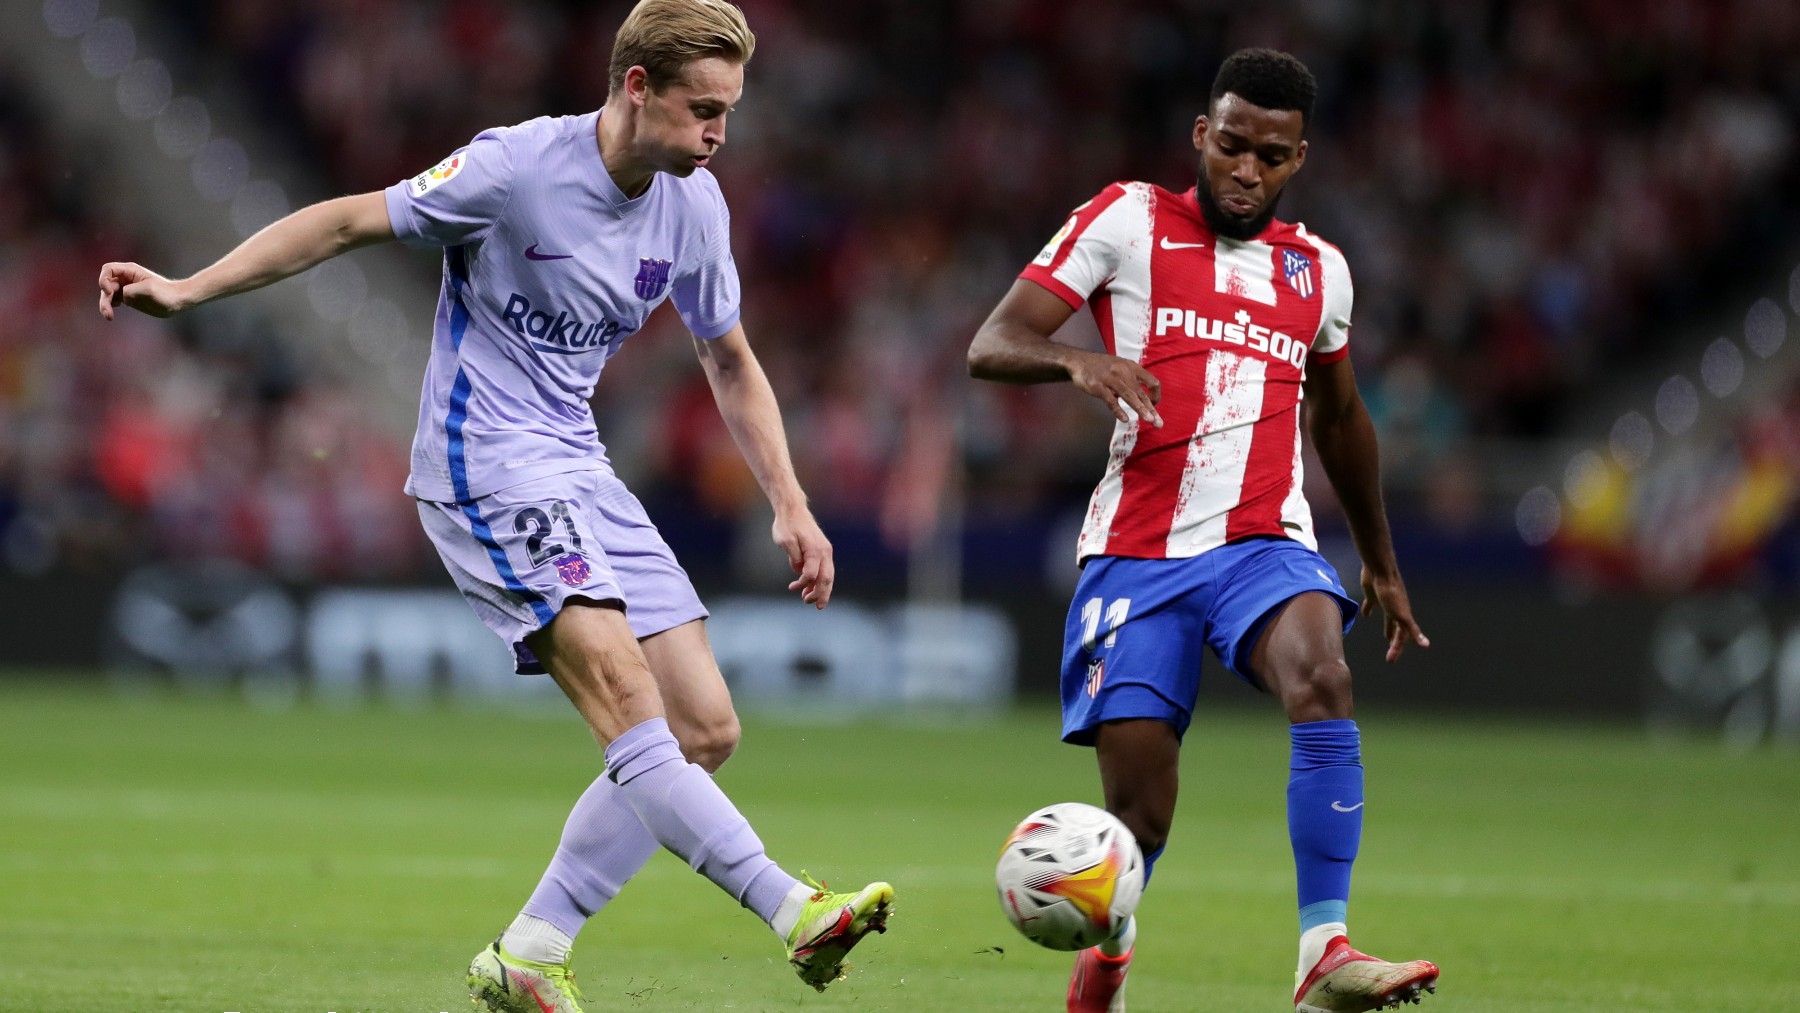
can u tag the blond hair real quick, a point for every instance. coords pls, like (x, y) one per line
(663, 36)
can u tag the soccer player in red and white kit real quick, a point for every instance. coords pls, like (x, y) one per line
(1219, 321)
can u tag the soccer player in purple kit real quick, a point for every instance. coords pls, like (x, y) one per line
(560, 236)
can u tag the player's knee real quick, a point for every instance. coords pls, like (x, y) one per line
(712, 742)
(1151, 828)
(1146, 818)
(1318, 691)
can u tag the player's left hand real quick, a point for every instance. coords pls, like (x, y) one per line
(1388, 593)
(809, 553)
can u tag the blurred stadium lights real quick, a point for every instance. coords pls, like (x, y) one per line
(183, 127)
(1722, 368)
(220, 169)
(1584, 480)
(69, 18)
(108, 46)
(372, 328)
(257, 204)
(145, 89)
(1632, 440)
(1539, 516)
(1765, 327)
(1677, 405)
(337, 289)
(1678, 409)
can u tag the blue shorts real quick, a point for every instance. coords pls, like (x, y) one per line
(1137, 627)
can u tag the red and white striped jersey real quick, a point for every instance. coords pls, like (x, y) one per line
(1228, 328)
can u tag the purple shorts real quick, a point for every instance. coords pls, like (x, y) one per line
(519, 554)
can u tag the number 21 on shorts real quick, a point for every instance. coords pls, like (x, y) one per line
(536, 526)
(1091, 612)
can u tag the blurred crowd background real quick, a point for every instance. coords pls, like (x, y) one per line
(1548, 207)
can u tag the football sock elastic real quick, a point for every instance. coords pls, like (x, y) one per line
(687, 813)
(1122, 943)
(1325, 809)
(1150, 863)
(787, 913)
(603, 845)
(533, 938)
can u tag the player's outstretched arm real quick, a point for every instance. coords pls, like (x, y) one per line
(1014, 346)
(1344, 436)
(747, 403)
(289, 246)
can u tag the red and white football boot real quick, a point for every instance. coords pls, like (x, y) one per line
(1098, 982)
(1345, 981)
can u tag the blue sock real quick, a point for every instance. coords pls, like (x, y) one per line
(1150, 863)
(1325, 800)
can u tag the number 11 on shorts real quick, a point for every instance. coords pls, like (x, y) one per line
(1090, 619)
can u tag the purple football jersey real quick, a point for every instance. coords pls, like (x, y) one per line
(548, 268)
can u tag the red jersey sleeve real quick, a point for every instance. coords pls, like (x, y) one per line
(1084, 253)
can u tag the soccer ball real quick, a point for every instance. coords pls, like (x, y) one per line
(1070, 876)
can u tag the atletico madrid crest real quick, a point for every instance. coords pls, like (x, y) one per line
(1298, 269)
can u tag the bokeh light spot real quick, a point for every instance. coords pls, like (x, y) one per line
(108, 46)
(183, 127)
(144, 89)
(1722, 368)
(221, 169)
(1677, 405)
(1765, 327)
(1539, 516)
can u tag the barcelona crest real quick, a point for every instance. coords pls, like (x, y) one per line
(573, 569)
(652, 277)
(1298, 269)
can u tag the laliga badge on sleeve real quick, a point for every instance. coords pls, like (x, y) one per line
(1048, 253)
(439, 174)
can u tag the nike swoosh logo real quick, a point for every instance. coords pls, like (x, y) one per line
(1340, 807)
(1180, 246)
(531, 253)
(519, 980)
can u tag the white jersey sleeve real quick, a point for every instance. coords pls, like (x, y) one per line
(1085, 253)
(457, 200)
(1333, 340)
(705, 289)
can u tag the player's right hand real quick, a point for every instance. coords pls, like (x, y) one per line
(1123, 386)
(1388, 593)
(140, 288)
(809, 553)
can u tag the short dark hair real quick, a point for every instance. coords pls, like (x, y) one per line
(1268, 78)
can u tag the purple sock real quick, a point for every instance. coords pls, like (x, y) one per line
(603, 845)
(687, 813)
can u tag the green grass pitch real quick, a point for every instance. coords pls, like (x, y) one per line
(202, 855)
